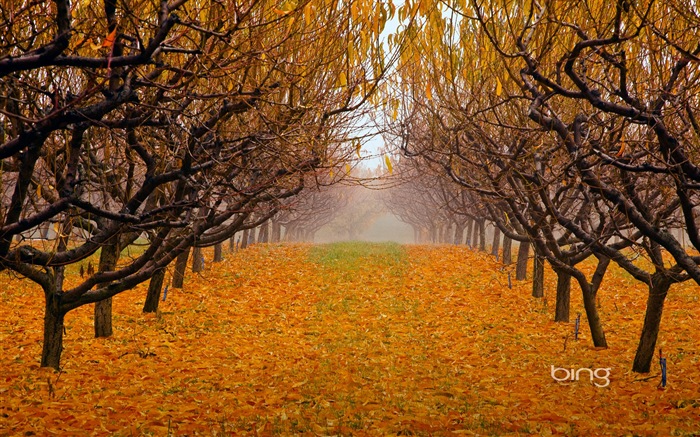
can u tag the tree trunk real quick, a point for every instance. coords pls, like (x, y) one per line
(521, 263)
(180, 268)
(652, 320)
(103, 309)
(594, 323)
(218, 253)
(538, 277)
(53, 330)
(251, 237)
(496, 245)
(563, 305)
(470, 224)
(154, 288)
(507, 251)
(197, 260)
(276, 231)
(232, 243)
(482, 235)
(263, 236)
(244, 239)
(459, 234)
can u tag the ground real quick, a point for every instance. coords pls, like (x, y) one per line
(349, 339)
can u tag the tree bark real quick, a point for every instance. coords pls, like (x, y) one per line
(482, 235)
(563, 305)
(521, 263)
(53, 330)
(652, 321)
(594, 323)
(154, 289)
(507, 251)
(103, 309)
(197, 260)
(218, 253)
(232, 243)
(496, 245)
(470, 224)
(263, 235)
(244, 239)
(180, 268)
(538, 277)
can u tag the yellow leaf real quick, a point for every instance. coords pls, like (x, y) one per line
(307, 14)
(38, 190)
(109, 41)
(499, 87)
(388, 164)
(357, 149)
(347, 168)
(428, 91)
(342, 79)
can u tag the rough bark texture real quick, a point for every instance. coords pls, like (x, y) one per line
(218, 253)
(154, 289)
(538, 277)
(53, 331)
(180, 268)
(507, 251)
(652, 321)
(561, 313)
(521, 263)
(197, 260)
(103, 309)
(594, 322)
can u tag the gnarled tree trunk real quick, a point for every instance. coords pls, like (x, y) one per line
(538, 277)
(563, 305)
(507, 251)
(658, 289)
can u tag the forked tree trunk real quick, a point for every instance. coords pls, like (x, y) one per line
(53, 330)
(197, 260)
(563, 305)
(521, 263)
(496, 245)
(507, 251)
(180, 268)
(538, 277)
(103, 309)
(155, 286)
(218, 253)
(652, 321)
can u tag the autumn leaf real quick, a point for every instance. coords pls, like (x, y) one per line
(389, 167)
(109, 40)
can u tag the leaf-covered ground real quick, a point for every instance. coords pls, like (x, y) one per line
(348, 339)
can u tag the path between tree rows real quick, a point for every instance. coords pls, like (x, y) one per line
(347, 339)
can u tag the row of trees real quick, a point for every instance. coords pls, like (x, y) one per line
(572, 125)
(175, 123)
